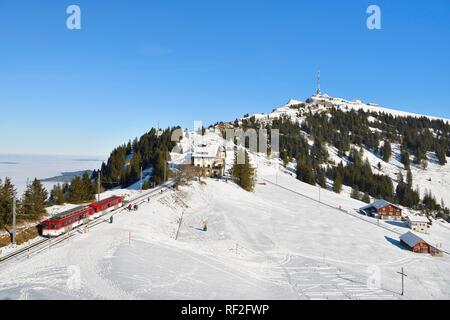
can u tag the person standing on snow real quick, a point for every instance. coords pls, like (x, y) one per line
(205, 225)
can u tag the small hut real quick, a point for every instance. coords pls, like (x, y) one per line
(415, 243)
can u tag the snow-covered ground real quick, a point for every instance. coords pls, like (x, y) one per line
(269, 244)
(21, 168)
(285, 240)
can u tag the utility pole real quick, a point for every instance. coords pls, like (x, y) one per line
(14, 221)
(99, 184)
(403, 274)
(276, 173)
(165, 170)
(141, 179)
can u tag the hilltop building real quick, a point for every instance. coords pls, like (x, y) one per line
(211, 158)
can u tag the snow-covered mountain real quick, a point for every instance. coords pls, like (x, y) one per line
(295, 108)
(435, 178)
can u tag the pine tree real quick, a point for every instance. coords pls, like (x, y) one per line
(429, 201)
(88, 189)
(57, 195)
(244, 173)
(7, 194)
(409, 179)
(34, 200)
(355, 194)
(386, 151)
(321, 177)
(441, 149)
(134, 173)
(405, 158)
(284, 157)
(337, 184)
(75, 193)
(366, 198)
(318, 153)
(305, 172)
(161, 170)
(400, 178)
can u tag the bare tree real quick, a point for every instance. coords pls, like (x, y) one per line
(186, 173)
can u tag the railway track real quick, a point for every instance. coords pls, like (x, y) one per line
(47, 243)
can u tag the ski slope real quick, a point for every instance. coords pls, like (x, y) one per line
(269, 244)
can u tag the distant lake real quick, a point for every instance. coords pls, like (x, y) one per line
(23, 168)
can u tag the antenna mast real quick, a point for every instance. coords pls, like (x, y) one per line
(318, 83)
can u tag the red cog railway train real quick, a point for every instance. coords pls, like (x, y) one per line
(68, 220)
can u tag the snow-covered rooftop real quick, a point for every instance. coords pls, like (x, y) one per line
(411, 239)
(378, 204)
(206, 151)
(418, 219)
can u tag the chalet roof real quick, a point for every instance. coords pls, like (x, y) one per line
(206, 151)
(411, 239)
(378, 204)
(418, 219)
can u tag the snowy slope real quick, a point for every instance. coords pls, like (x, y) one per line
(435, 178)
(269, 244)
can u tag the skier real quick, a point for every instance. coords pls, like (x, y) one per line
(111, 219)
(205, 225)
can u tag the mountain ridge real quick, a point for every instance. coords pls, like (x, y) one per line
(325, 100)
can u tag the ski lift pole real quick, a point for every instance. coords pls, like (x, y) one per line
(14, 222)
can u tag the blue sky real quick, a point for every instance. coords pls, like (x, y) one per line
(135, 64)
